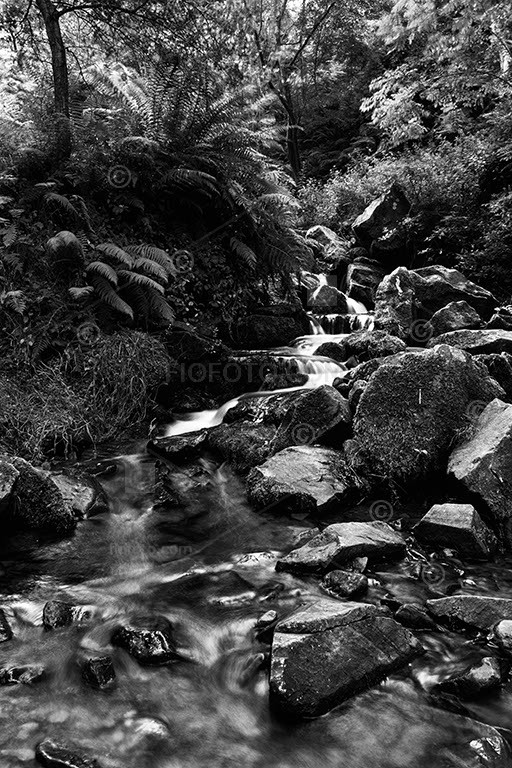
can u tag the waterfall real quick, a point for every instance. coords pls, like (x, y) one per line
(320, 370)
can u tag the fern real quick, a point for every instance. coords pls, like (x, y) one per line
(151, 269)
(143, 281)
(154, 254)
(105, 271)
(244, 252)
(107, 294)
(113, 254)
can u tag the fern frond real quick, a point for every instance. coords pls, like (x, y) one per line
(108, 296)
(79, 293)
(243, 251)
(154, 254)
(129, 278)
(151, 269)
(105, 271)
(111, 252)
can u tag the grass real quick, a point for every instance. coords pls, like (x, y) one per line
(87, 395)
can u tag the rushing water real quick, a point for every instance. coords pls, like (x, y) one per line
(209, 567)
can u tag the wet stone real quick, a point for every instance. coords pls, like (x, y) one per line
(475, 681)
(414, 617)
(502, 635)
(99, 672)
(52, 754)
(476, 612)
(57, 614)
(21, 675)
(149, 640)
(344, 584)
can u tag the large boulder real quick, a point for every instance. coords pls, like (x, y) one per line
(320, 414)
(302, 478)
(342, 542)
(412, 409)
(456, 526)
(82, 493)
(454, 317)
(405, 299)
(477, 612)
(327, 653)
(481, 466)
(363, 278)
(377, 226)
(327, 299)
(38, 502)
(483, 341)
(502, 318)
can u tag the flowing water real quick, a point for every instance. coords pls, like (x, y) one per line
(208, 565)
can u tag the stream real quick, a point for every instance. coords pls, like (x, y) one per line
(208, 566)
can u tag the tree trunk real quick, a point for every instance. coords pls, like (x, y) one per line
(292, 133)
(60, 76)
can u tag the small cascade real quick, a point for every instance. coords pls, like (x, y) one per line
(347, 323)
(315, 326)
(320, 370)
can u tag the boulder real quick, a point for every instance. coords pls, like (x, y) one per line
(81, 492)
(456, 526)
(243, 444)
(413, 407)
(481, 466)
(344, 584)
(57, 614)
(454, 317)
(322, 659)
(40, 503)
(363, 278)
(438, 286)
(149, 640)
(377, 224)
(302, 478)
(179, 449)
(483, 341)
(475, 681)
(366, 345)
(318, 415)
(342, 542)
(99, 672)
(476, 612)
(406, 299)
(327, 299)
(500, 368)
(25, 675)
(52, 754)
(8, 476)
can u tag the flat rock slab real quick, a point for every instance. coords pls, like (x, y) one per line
(475, 681)
(325, 614)
(341, 542)
(482, 465)
(473, 611)
(52, 754)
(457, 526)
(301, 478)
(476, 342)
(314, 671)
